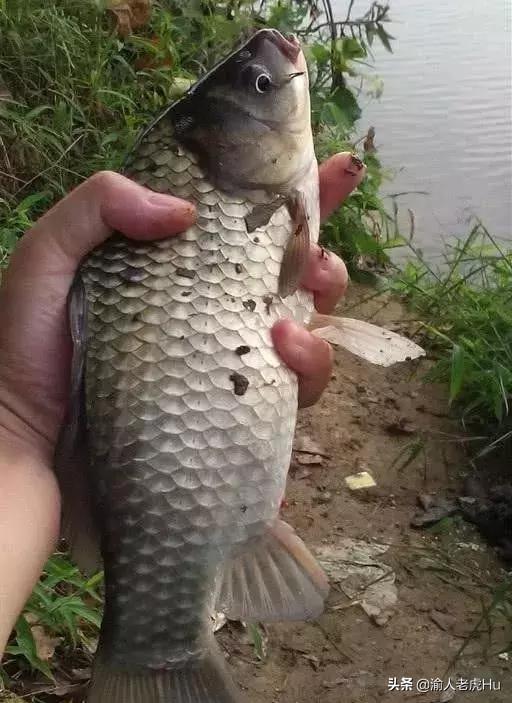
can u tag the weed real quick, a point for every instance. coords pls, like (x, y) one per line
(259, 640)
(494, 600)
(76, 95)
(467, 323)
(64, 610)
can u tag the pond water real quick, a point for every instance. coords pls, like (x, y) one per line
(444, 120)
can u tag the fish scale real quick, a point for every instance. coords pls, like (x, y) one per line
(209, 467)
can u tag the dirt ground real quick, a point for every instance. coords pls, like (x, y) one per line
(391, 424)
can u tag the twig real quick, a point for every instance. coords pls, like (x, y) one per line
(333, 643)
(10, 175)
(349, 11)
(406, 192)
(6, 154)
(49, 168)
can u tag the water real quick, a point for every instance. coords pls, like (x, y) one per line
(444, 121)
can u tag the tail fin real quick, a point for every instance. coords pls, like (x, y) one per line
(277, 579)
(202, 681)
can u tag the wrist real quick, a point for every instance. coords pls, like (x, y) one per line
(20, 431)
(29, 526)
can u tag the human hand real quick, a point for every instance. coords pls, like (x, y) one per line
(35, 348)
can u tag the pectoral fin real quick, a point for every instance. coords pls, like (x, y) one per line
(372, 343)
(71, 455)
(275, 579)
(296, 254)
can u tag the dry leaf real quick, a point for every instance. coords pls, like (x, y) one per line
(306, 445)
(130, 14)
(334, 684)
(314, 661)
(402, 426)
(308, 459)
(444, 621)
(301, 474)
(354, 566)
(45, 645)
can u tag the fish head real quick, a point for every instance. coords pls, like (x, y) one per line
(267, 80)
(248, 120)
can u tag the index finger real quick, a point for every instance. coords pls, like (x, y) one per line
(339, 176)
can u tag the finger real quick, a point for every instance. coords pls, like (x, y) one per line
(310, 357)
(339, 176)
(87, 216)
(326, 276)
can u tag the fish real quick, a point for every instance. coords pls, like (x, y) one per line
(174, 453)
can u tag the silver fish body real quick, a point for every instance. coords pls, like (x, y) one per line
(190, 416)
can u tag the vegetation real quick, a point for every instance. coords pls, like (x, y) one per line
(64, 611)
(76, 86)
(467, 323)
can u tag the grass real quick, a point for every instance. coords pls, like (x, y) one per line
(60, 620)
(73, 95)
(466, 312)
(466, 309)
(492, 628)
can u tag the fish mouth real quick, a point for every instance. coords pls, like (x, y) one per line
(289, 45)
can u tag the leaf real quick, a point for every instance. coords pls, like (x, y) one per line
(320, 53)
(331, 114)
(32, 114)
(30, 201)
(45, 645)
(457, 371)
(259, 641)
(352, 49)
(345, 100)
(370, 34)
(130, 15)
(27, 647)
(384, 37)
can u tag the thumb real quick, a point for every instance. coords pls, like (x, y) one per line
(87, 216)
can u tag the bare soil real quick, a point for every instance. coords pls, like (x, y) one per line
(390, 423)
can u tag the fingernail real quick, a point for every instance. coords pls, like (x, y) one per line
(161, 200)
(174, 207)
(170, 201)
(298, 336)
(357, 162)
(323, 253)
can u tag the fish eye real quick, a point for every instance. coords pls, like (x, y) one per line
(263, 83)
